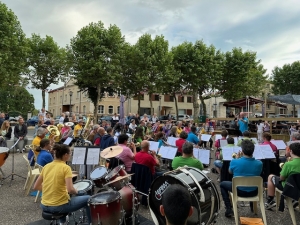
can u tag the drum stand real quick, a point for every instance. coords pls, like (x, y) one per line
(13, 166)
(134, 211)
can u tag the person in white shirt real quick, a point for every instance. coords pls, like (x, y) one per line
(154, 118)
(260, 127)
(42, 114)
(132, 125)
(62, 118)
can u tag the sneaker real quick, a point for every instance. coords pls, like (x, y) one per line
(270, 205)
(228, 212)
(295, 204)
(218, 179)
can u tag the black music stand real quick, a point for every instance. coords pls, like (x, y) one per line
(13, 167)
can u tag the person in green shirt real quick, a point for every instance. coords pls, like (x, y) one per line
(289, 168)
(187, 158)
(246, 136)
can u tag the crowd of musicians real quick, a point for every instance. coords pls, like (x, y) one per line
(56, 178)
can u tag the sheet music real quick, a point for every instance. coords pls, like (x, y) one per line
(153, 146)
(228, 151)
(255, 140)
(257, 154)
(172, 141)
(205, 137)
(267, 151)
(223, 143)
(92, 157)
(218, 136)
(202, 155)
(279, 144)
(68, 141)
(167, 152)
(78, 155)
(236, 140)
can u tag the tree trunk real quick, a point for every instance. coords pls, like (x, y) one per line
(176, 105)
(139, 104)
(97, 103)
(195, 105)
(203, 104)
(43, 98)
(151, 105)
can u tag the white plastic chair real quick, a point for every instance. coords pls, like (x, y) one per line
(254, 181)
(31, 176)
(40, 170)
(289, 203)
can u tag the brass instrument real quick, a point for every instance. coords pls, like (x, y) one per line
(287, 160)
(55, 134)
(86, 130)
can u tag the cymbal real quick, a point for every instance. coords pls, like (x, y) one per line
(118, 178)
(111, 152)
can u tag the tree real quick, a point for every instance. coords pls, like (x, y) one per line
(96, 53)
(242, 75)
(12, 47)
(16, 98)
(45, 63)
(286, 79)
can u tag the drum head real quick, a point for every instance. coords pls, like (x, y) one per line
(104, 197)
(113, 173)
(4, 149)
(82, 185)
(98, 173)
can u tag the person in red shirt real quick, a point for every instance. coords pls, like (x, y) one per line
(145, 158)
(267, 141)
(179, 143)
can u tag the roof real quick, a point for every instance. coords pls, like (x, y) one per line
(242, 102)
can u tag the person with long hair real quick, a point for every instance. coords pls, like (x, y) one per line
(44, 156)
(55, 181)
(6, 130)
(139, 134)
(173, 132)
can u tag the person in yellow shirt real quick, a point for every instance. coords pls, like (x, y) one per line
(40, 134)
(55, 181)
(78, 128)
(179, 127)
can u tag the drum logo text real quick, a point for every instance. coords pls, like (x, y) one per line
(161, 190)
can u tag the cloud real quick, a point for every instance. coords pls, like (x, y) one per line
(270, 28)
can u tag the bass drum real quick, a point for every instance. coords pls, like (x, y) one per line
(204, 195)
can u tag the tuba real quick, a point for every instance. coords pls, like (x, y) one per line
(54, 133)
(86, 129)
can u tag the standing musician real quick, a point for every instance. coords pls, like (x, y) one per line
(55, 181)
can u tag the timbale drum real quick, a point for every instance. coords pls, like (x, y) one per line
(98, 176)
(113, 174)
(204, 195)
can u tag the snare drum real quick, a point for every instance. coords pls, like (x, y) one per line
(126, 201)
(106, 208)
(204, 195)
(118, 171)
(85, 186)
(98, 176)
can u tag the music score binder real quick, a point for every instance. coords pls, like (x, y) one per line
(86, 155)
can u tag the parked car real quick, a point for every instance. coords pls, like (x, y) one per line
(32, 121)
(183, 117)
(165, 117)
(106, 118)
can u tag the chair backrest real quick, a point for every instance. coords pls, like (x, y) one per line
(292, 187)
(142, 177)
(39, 166)
(253, 181)
(28, 164)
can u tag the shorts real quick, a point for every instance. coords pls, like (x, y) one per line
(218, 163)
(277, 182)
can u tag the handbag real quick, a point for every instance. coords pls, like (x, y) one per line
(251, 221)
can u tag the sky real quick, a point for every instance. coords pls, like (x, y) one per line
(270, 28)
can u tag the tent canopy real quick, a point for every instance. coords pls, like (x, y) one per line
(288, 98)
(243, 102)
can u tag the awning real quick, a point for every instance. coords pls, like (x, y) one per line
(288, 98)
(243, 102)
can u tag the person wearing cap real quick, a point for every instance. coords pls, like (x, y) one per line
(78, 128)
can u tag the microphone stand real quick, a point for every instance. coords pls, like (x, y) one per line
(13, 166)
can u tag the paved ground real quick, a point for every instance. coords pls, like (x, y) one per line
(17, 209)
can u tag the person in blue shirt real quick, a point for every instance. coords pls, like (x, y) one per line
(243, 165)
(44, 157)
(192, 137)
(243, 122)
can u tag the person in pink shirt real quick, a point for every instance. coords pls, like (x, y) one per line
(224, 135)
(267, 141)
(127, 156)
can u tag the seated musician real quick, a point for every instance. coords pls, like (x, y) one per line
(219, 161)
(224, 134)
(66, 131)
(179, 143)
(128, 155)
(246, 136)
(98, 136)
(55, 181)
(192, 136)
(159, 138)
(148, 159)
(78, 129)
(93, 133)
(295, 137)
(107, 139)
(33, 153)
(187, 158)
(44, 156)
(243, 165)
(267, 141)
(175, 196)
(288, 169)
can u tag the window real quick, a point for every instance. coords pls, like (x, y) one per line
(156, 97)
(50, 102)
(101, 109)
(189, 99)
(76, 109)
(171, 98)
(54, 100)
(66, 98)
(53, 112)
(168, 98)
(60, 99)
(118, 110)
(268, 106)
(110, 109)
(78, 93)
(180, 98)
(84, 109)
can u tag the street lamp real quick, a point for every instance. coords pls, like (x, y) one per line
(79, 100)
(70, 93)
